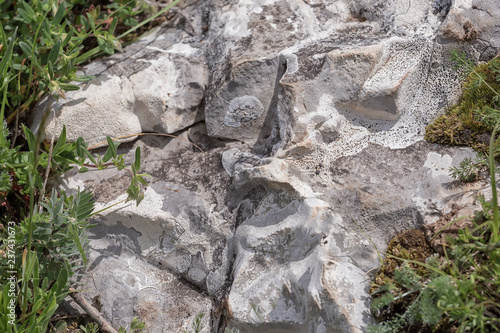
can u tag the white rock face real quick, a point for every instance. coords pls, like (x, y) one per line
(311, 116)
(168, 94)
(94, 112)
(287, 273)
(156, 85)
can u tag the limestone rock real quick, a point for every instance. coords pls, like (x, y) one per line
(156, 85)
(124, 286)
(290, 266)
(308, 119)
(105, 107)
(476, 22)
(286, 247)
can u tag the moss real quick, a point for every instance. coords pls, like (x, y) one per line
(410, 244)
(468, 123)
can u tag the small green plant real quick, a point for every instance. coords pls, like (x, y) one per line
(136, 326)
(469, 169)
(128, 10)
(90, 328)
(258, 311)
(461, 290)
(197, 324)
(231, 330)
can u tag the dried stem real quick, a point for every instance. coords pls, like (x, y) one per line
(92, 312)
(141, 134)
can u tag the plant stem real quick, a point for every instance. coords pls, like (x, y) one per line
(108, 207)
(494, 200)
(30, 236)
(91, 311)
(31, 175)
(33, 58)
(161, 12)
(486, 83)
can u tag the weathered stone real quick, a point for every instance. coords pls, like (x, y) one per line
(475, 22)
(167, 252)
(124, 285)
(240, 109)
(168, 94)
(308, 160)
(290, 265)
(156, 85)
(104, 107)
(334, 217)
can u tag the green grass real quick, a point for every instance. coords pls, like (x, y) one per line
(417, 291)
(43, 244)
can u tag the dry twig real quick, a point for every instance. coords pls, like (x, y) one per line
(91, 311)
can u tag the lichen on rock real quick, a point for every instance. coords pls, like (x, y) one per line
(243, 109)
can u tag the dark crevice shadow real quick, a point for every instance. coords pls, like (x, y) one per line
(269, 135)
(456, 184)
(127, 239)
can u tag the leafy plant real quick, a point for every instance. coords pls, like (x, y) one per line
(90, 328)
(257, 310)
(197, 324)
(460, 290)
(128, 10)
(469, 169)
(43, 41)
(45, 48)
(136, 326)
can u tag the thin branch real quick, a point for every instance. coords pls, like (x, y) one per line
(141, 134)
(91, 311)
(47, 171)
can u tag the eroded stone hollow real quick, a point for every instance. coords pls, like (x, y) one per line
(308, 119)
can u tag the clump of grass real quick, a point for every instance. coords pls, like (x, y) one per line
(469, 169)
(391, 279)
(459, 291)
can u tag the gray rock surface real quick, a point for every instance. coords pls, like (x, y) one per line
(278, 247)
(156, 85)
(310, 116)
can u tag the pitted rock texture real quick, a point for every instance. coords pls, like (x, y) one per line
(308, 118)
(266, 244)
(210, 53)
(243, 109)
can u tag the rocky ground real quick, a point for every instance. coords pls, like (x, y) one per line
(309, 116)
